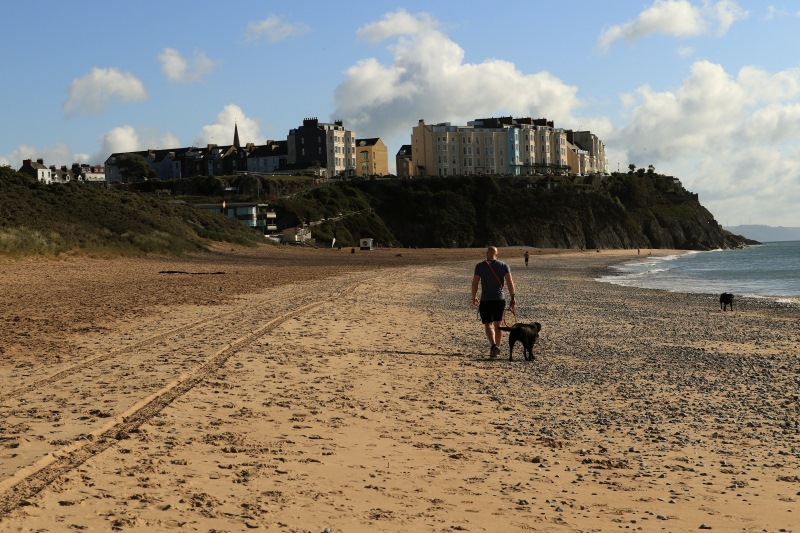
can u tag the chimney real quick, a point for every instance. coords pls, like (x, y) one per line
(40, 161)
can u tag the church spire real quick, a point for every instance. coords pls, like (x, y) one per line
(236, 135)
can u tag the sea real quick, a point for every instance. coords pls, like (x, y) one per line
(770, 270)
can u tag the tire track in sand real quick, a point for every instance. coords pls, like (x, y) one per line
(28, 481)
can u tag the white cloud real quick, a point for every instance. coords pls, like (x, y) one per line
(678, 18)
(670, 17)
(52, 155)
(129, 139)
(731, 139)
(685, 51)
(398, 23)
(91, 94)
(275, 29)
(774, 12)
(428, 79)
(221, 130)
(177, 68)
(726, 13)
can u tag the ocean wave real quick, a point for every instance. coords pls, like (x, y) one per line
(763, 272)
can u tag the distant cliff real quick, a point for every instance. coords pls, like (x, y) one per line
(767, 233)
(642, 209)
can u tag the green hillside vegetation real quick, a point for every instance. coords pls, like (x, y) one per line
(52, 219)
(638, 209)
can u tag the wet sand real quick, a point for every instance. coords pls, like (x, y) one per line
(289, 389)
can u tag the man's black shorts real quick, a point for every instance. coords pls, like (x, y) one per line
(491, 311)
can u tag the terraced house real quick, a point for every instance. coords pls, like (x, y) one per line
(324, 145)
(504, 146)
(372, 157)
(325, 149)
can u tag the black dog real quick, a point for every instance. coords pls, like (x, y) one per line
(725, 299)
(524, 333)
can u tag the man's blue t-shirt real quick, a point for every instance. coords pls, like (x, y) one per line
(491, 289)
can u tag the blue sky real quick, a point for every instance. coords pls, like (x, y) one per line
(705, 90)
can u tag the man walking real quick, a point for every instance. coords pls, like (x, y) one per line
(492, 275)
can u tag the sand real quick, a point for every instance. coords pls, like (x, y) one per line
(296, 390)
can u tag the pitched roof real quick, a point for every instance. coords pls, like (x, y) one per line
(275, 149)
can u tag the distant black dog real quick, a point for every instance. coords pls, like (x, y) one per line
(725, 299)
(524, 333)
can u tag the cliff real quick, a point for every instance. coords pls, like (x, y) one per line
(644, 210)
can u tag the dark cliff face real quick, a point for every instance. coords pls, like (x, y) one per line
(643, 210)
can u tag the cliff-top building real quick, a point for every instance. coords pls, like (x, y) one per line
(329, 146)
(403, 164)
(372, 157)
(325, 149)
(504, 146)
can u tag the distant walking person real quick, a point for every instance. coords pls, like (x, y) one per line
(526, 257)
(492, 275)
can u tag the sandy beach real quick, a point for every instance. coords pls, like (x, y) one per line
(303, 390)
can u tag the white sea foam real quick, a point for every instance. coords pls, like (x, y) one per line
(767, 271)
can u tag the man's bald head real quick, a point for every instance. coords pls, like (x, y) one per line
(491, 252)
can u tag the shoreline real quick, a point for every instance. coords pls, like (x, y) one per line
(354, 397)
(630, 278)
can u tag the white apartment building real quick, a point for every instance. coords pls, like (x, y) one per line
(500, 146)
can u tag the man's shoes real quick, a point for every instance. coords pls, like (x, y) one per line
(495, 351)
